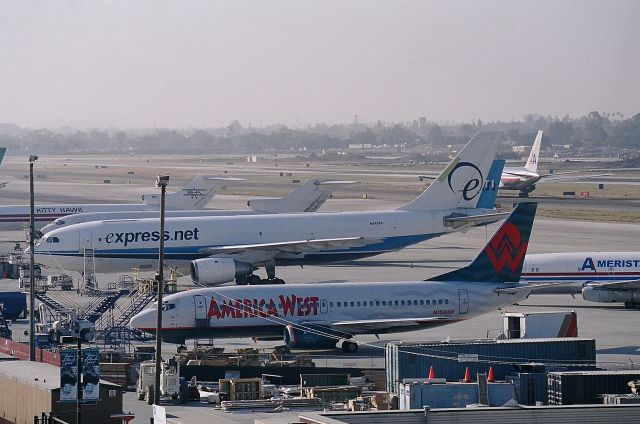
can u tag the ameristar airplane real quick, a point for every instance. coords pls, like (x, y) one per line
(220, 249)
(315, 316)
(194, 195)
(604, 277)
(309, 197)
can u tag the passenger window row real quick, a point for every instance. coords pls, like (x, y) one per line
(371, 303)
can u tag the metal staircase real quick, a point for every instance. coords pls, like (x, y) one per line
(112, 327)
(51, 303)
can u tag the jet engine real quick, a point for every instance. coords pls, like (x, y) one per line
(214, 271)
(596, 294)
(309, 338)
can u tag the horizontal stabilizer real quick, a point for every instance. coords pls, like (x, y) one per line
(194, 195)
(460, 221)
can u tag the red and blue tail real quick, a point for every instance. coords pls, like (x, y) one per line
(502, 258)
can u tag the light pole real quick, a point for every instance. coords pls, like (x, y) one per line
(161, 182)
(32, 291)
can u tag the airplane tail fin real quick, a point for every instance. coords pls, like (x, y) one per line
(459, 185)
(309, 197)
(532, 162)
(502, 258)
(194, 195)
(490, 191)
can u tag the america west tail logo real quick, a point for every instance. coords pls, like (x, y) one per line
(506, 248)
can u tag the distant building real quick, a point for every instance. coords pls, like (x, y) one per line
(360, 146)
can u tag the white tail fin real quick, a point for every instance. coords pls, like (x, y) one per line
(194, 195)
(306, 198)
(532, 162)
(460, 184)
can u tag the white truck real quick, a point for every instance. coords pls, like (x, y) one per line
(169, 381)
(61, 281)
(67, 323)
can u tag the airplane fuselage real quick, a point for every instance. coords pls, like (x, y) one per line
(344, 309)
(575, 270)
(518, 179)
(120, 245)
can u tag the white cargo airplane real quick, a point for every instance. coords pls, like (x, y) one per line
(607, 277)
(194, 195)
(226, 248)
(314, 316)
(309, 197)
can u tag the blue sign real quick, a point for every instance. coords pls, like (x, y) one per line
(68, 375)
(90, 375)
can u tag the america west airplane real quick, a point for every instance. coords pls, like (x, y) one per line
(314, 316)
(309, 197)
(605, 277)
(220, 249)
(194, 195)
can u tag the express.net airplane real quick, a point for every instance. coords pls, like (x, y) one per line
(220, 249)
(309, 197)
(607, 277)
(194, 195)
(313, 316)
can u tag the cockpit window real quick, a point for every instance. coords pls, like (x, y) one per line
(60, 222)
(168, 306)
(52, 239)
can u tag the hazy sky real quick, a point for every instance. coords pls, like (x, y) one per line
(204, 63)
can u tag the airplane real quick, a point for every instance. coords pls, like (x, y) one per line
(194, 195)
(226, 248)
(309, 197)
(525, 178)
(606, 277)
(317, 316)
(3, 150)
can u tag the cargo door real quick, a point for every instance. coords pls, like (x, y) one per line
(200, 305)
(86, 240)
(463, 301)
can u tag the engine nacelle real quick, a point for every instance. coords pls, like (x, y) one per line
(594, 294)
(214, 271)
(297, 338)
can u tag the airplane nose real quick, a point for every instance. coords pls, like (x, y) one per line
(143, 320)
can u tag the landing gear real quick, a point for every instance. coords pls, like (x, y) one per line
(525, 193)
(243, 280)
(349, 347)
(255, 280)
(630, 305)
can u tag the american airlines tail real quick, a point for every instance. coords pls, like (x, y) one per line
(534, 156)
(461, 183)
(502, 258)
(194, 195)
(309, 197)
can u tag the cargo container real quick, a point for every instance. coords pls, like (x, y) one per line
(415, 395)
(13, 304)
(587, 387)
(531, 387)
(450, 359)
(530, 325)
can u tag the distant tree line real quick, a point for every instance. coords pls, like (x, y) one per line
(595, 130)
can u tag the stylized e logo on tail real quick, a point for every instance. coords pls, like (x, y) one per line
(506, 248)
(473, 187)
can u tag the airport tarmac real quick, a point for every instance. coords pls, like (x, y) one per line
(618, 339)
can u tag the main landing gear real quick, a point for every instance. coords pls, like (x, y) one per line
(255, 280)
(349, 347)
(525, 192)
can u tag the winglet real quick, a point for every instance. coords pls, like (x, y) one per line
(502, 258)
(459, 185)
(3, 150)
(534, 156)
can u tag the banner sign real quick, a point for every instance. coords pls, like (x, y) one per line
(90, 375)
(68, 375)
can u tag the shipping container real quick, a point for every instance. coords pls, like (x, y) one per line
(450, 359)
(416, 395)
(531, 388)
(587, 387)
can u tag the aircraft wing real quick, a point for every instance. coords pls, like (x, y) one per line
(472, 220)
(298, 246)
(616, 285)
(571, 177)
(349, 327)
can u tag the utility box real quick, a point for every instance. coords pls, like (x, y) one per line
(533, 325)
